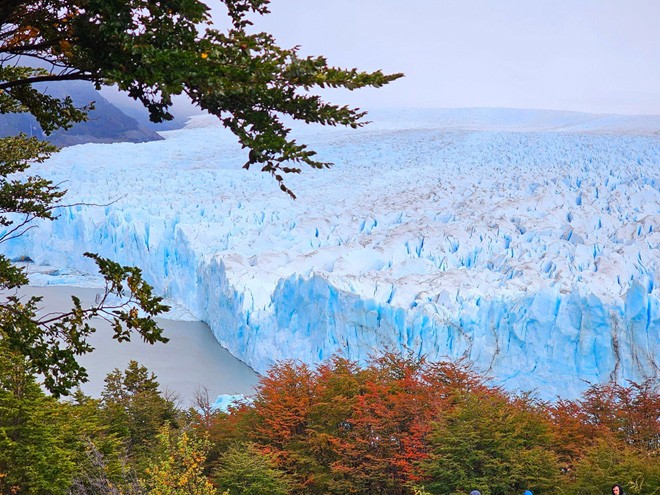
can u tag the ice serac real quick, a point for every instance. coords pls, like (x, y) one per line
(529, 244)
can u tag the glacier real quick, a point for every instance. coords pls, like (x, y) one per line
(525, 241)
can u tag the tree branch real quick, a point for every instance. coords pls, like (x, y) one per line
(76, 76)
(13, 232)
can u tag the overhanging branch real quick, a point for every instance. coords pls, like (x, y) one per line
(76, 76)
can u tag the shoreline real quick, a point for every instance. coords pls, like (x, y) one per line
(191, 362)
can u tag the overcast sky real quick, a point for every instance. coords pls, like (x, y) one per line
(598, 56)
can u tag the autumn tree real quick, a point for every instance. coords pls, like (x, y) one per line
(451, 380)
(385, 436)
(631, 413)
(337, 385)
(617, 437)
(52, 342)
(572, 433)
(293, 420)
(344, 428)
(279, 419)
(178, 469)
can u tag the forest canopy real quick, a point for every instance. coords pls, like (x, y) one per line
(397, 425)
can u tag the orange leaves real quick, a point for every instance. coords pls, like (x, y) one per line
(401, 421)
(283, 402)
(630, 413)
(348, 428)
(21, 36)
(571, 432)
(62, 47)
(387, 428)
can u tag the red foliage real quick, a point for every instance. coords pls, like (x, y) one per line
(346, 429)
(384, 437)
(451, 380)
(611, 413)
(282, 404)
(631, 413)
(572, 434)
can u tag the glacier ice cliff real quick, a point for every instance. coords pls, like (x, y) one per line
(533, 250)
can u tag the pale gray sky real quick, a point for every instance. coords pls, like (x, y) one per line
(598, 56)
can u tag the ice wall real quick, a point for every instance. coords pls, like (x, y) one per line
(535, 254)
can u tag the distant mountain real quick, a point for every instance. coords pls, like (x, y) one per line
(106, 124)
(141, 115)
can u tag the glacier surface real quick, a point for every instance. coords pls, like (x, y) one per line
(528, 242)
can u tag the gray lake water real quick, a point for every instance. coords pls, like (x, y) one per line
(192, 361)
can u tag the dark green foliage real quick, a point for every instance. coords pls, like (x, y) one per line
(19, 96)
(243, 470)
(154, 50)
(35, 457)
(610, 461)
(134, 410)
(100, 456)
(51, 343)
(127, 281)
(23, 199)
(493, 445)
(337, 429)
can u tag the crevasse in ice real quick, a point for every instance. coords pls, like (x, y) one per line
(526, 242)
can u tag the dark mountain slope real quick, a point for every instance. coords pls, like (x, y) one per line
(106, 124)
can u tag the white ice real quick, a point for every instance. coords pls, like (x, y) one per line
(528, 242)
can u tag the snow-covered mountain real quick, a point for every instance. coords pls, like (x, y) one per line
(527, 241)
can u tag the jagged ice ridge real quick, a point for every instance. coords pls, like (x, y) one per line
(531, 248)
